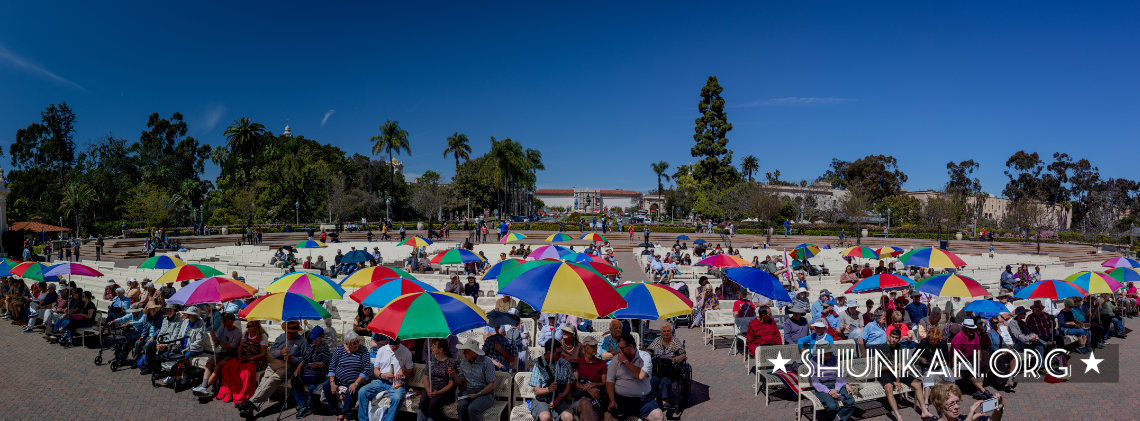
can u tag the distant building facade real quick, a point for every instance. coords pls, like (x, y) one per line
(997, 208)
(826, 197)
(587, 199)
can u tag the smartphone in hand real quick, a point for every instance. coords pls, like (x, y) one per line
(990, 404)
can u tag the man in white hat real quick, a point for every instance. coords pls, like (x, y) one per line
(476, 380)
(818, 334)
(967, 342)
(191, 343)
(796, 326)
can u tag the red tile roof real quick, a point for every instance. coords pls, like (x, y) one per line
(554, 191)
(621, 192)
(34, 227)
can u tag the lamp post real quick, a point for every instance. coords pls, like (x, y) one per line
(297, 207)
(387, 208)
(888, 220)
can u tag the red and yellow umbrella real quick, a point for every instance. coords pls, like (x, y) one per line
(931, 258)
(554, 286)
(722, 261)
(372, 274)
(187, 273)
(952, 286)
(415, 241)
(862, 252)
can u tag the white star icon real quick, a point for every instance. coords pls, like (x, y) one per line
(779, 363)
(1092, 363)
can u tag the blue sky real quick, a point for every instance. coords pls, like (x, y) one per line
(601, 89)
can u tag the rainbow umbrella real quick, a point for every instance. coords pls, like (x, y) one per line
(554, 286)
(593, 237)
(758, 281)
(860, 251)
(187, 272)
(498, 268)
(214, 289)
(372, 274)
(722, 261)
(558, 237)
(889, 251)
(1124, 275)
(603, 268)
(8, 264)
(33, 271)
(1094, 282)
(951, 286)
(549, 252)
(511, 236)
(161, 262)
(311, 285)
(284, 307)
(427, 314)
(581, 258)
(652, 302)
(415, 241)
(986, 308)
(1050, 289)
(310, 244)
(805, 251)
(455, 256)
(71, 269)
(380, 293)
(931, 258)
(1120, 262)
(881, 282)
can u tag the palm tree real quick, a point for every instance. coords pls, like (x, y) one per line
(243, 138)
(749, 166)
(534, 158)
(457, 146)
(659, 168)
(76, 197)
(391, 139)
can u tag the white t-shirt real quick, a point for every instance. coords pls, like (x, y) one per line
(389, 361)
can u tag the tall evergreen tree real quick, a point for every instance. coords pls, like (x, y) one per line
(711, 139)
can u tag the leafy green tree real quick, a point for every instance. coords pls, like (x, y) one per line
(243, 137)
(76, 199)
(42, 157)
(711, 131)
(749, 166)
(459, 147)
(877, 176)
(428, 197)
(392, 139)
(151, 205)
(659, 168)
(903, 209)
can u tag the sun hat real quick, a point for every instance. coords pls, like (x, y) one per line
(968, 324)
(570, 329)
(191, 311)
(798, 309)
(136, 309)
(819, 323)
(590, 340)
(110, 282)
(291, 327)
(470, 345)
(1020, 310)
(802, 289)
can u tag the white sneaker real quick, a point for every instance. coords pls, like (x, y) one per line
(200, 390)
(168, 381)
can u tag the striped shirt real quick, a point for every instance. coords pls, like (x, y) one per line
(347, 366)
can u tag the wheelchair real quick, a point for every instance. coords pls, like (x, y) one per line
(121, 341)
(684, 384)
(173, 366)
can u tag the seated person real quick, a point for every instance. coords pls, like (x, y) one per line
(289, 346)
(551, 379)
(589, 390)
(762, 331)
(830, 386)
(628, 384)
(668, 357)
(188, 344)
(312, 372)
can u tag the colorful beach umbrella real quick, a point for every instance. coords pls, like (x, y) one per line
(881, 282)
(498, 268)
(283, 307)
(889, 251)
(549, 252)
(1120, 262)
(722, 261)
(603, 268)
(1051, 289)
(805, 251)
(554, 286)
(9, 264)
(380, 293)
(310, 244)
(33, 271)
(951, 286)
(428, 314)
(455, 256)
(862, 252)
(71, 269)
(372, 274)
(161, 262)
(511, 236)
(758, 281)
(593, 237)
(187, 272)
(581, 258)
(415, 241)
(652, 302)
(311, 285)
(986, 308)
(214, 289)
(931, 258)
(1124, 275)
(1094, 282)
(556, 237)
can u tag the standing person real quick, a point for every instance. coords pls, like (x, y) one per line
(631, 233)
(98, 247)
(647, 234)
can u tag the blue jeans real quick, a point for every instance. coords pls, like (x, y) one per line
(303, 392)
(336, 405)
(1075, 331)
(366, 393)
(831, 406)
(661, 388)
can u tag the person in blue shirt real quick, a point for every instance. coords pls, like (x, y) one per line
(817, 306)
(119, 304)
(917, 310)
(819, 333)
(1007, 278)
(875, 333)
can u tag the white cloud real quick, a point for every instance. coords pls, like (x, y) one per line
(212, 117)
(795, 101)
(328, 114)
(14, 60)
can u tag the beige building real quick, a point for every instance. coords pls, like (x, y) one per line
(826, 198)
(996, 208)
